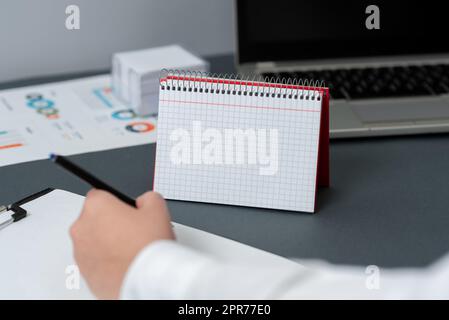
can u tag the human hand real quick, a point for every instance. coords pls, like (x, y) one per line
(109, 234)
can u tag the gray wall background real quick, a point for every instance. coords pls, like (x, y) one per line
(35, 42)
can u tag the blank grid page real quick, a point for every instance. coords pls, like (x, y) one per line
(237, 149)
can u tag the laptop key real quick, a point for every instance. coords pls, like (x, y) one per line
(440, 88)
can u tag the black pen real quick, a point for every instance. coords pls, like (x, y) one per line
(89, 178)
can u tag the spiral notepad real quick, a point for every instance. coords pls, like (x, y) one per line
(239, 141)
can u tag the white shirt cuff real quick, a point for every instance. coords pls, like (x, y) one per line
(163, 270)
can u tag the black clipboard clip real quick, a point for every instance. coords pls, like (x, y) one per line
(18, 212)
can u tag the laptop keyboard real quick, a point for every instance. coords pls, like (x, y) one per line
(381, 82)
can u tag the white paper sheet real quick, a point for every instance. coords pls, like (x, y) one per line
(36, 252)
(69, 117)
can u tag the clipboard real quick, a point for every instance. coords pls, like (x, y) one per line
(40, 263)
(18, 213)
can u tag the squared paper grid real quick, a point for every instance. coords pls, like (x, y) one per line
(298, 125)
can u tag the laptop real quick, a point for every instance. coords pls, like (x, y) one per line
(386, 65)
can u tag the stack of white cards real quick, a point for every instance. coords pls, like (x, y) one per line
(135, 74)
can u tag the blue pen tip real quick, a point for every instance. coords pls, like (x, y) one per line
(53, 156)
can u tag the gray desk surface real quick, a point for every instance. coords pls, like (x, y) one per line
(388, 203)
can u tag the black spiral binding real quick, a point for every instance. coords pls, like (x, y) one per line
(195, 81)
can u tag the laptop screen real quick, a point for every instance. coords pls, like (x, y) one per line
(284, 30)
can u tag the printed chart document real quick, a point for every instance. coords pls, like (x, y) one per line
(37, 257)
(69, 117)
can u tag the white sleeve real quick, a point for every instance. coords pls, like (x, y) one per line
(168, 270)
